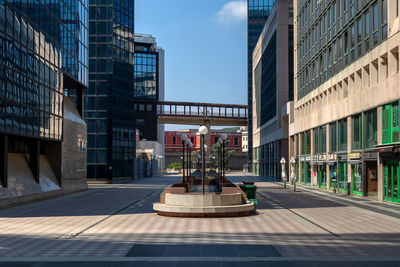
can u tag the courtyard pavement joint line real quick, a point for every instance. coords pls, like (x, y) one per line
(301, 216)
(73, 235)
(366, 204)
(206, 259)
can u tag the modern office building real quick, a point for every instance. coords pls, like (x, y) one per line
(272, 89)
(109, 99)
(149, 87)
(257, 15)
(345, 131)
(43, 55)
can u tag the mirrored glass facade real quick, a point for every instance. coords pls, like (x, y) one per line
(41, 43)
(109, 111)
(257, 15)
(146, 75)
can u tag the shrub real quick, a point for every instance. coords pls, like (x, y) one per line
(174, 164)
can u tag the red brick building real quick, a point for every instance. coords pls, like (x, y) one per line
(173, 140)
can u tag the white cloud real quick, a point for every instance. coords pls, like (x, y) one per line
(232, 12)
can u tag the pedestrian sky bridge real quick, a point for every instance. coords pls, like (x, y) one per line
(190, 113)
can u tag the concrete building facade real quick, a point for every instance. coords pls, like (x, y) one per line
(272, 89)
(257, 14)
(344, 130)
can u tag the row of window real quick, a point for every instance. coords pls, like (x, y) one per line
(363, 134)
(322, 51)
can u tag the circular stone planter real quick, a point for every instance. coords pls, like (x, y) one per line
(208, 205)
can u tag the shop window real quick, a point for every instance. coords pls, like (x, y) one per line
(370, 129)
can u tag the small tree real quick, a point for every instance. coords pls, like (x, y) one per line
(227, 156)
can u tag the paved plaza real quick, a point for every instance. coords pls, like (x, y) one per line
(115, 224)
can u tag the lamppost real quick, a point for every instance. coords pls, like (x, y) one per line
(224, 137)
(203, 131)
(293, 174)
(283, 163)
(183, 140)
(219, 143)
(190, 158)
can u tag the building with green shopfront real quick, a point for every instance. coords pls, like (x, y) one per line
(344, 120)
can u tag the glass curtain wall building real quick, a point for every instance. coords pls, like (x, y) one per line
(257, 15)
(110, 96)
(43, 53)
(146, 86)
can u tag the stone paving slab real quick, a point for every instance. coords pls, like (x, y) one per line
(108, 221)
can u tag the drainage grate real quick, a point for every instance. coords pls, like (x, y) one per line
(203, 251)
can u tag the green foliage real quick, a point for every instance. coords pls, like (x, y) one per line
(174, 165)
(227, 156)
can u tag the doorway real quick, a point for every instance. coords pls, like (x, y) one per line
(322, 176)
(371, 179)
(356, 179)
(391, 181)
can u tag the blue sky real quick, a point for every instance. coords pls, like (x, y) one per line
(205, 47)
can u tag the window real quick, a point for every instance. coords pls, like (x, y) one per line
(174, 140)
(375, 19)
(332, 137)
(384, 19)
(140, 121)
(356, 132)
(343, 135)
(390, 123)
(322, 139)
(215, 139)
(305, 143)
(367, 31)
(316, 141)
(370, 129)
(236, 141)
(359, 37)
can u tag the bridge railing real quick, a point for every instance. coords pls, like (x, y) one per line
(189, 109)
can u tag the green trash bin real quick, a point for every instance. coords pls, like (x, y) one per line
(251, 193)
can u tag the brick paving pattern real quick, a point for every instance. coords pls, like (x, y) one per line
(108, 220)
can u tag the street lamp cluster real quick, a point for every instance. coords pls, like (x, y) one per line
(220, 145)
(186, 144)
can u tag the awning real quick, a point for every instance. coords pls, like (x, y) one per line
(386, 147)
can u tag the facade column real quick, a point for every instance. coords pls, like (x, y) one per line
(328, 150)
(299, 155)
(4, 160)
(34, 158)
(349, 143)
(380, 174)
(312, 155)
